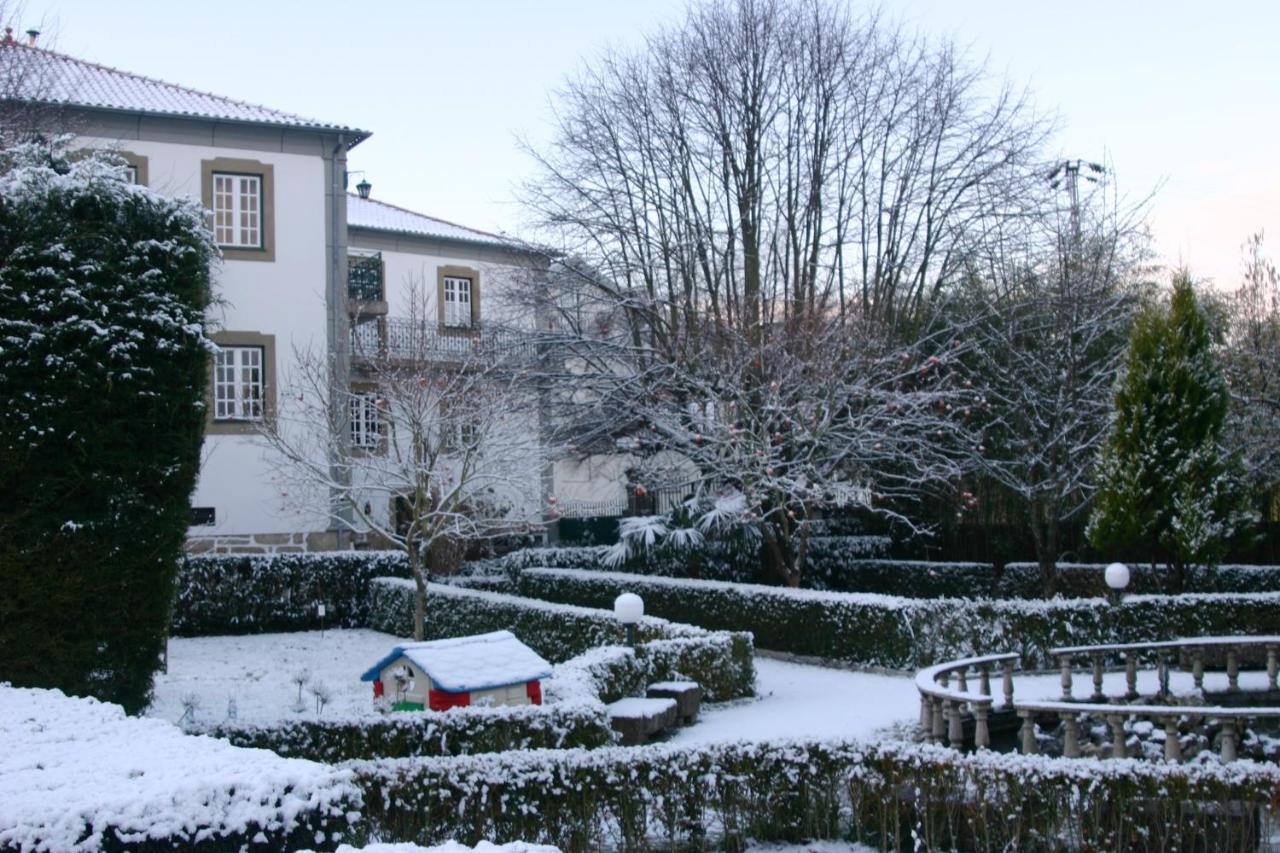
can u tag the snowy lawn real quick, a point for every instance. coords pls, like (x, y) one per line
(72, 768)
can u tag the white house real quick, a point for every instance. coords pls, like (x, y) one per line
(306, 265)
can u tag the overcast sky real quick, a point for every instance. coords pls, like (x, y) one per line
(1179, 96)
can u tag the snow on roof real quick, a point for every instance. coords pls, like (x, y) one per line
(43, 76)
(463, 664)
(380, 216)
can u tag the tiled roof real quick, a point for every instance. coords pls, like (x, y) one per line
(380, 216)
(54, 78)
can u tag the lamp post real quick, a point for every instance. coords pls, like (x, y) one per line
(629, 607)
(1117, 578)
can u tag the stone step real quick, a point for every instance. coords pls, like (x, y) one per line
(688, 696)
(636, 719)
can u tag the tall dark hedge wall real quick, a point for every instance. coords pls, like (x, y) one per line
(103, 291)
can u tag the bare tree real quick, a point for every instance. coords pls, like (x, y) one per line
(771, 160)
(436, 440)
(1054, 291)
(31, 90)
(1252, 365)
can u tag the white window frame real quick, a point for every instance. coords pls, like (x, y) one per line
(238, 210)
(366, 421)
(239, 383)
(459, 296)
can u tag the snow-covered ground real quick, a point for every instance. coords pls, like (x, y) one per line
(71, 768)
(793, 700)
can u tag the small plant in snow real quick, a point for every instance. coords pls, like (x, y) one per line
(322, 695)
(300, 678)
(190, 704)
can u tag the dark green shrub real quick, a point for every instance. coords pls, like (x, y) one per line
(241, 594)
(103, 368)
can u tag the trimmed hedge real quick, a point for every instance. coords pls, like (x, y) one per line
(836, 567)
(722, 661)
(461, 731)
(904, 633)
(241, 594)
(896, 796)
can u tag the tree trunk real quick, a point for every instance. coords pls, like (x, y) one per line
(1044, 533)
(419, 594)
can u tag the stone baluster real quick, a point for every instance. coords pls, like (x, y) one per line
(1272, 668)
(984, 679)
(1098, 695)
(939, 722)
(1116, 721)
(1163, 671)
(955, 732)
(1006, 668)
(1064, 662)
(981, 731)
(962, 680)
(926, 713)
(1070, 736)
(1197, 667)
(1228, 740)
(1028, 732)
(1172, 746)
(1131, 675)
(1233, 669)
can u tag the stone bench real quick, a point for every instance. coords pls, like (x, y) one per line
(688, 696)
(637, 719)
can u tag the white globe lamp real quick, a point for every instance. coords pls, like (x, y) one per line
(1117, 576)
(629, 607)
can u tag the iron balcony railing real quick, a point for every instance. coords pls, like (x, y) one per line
(406, 340)
(364, 278)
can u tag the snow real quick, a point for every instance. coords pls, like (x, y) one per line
(449, 847)
(803, 701)
(380, 216)
(479, 662)
(636, 708)
(673, 685)
(72, 768)
(256, 671)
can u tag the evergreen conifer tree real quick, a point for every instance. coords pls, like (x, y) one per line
(1167, 485)
(103, 359)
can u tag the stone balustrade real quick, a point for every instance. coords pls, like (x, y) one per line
(943, 708)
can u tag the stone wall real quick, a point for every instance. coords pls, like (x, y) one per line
(274, 543)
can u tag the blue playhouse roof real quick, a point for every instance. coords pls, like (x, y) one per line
(464, 664)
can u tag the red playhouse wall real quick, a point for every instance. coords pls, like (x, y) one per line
(534, 690)
(438, 700)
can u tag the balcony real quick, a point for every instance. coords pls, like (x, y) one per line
(408, 341)
(366, 291)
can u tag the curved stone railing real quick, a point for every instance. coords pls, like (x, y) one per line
(943, 708)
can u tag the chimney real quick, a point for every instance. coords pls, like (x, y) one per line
(32, 35)
(8, 36)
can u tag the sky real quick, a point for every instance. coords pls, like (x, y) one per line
(1178, 97)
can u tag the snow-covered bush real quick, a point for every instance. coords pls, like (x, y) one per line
(243, 594)
(79, 775)
(721, 661)
(908, 633)
(460, 731)
(896, 796)
(103, 366)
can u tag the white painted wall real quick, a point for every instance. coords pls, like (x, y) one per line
(284, 298)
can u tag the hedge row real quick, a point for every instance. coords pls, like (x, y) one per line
(239, 594)
(721, 661)
(905, 633)
(462, 731)
(896, 797)
(838, 564)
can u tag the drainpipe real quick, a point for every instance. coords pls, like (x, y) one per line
(338, 331)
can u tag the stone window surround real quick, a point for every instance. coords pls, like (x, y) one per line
(244, 339)
(451, 271)
(266, 172)
(140, 166)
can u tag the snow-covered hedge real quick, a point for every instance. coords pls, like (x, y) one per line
(895, 797)
(721, 661)
(78, 774)
(239, 594)
(460, 731)
(1084, 580)
(714, 561)
(908, 633)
